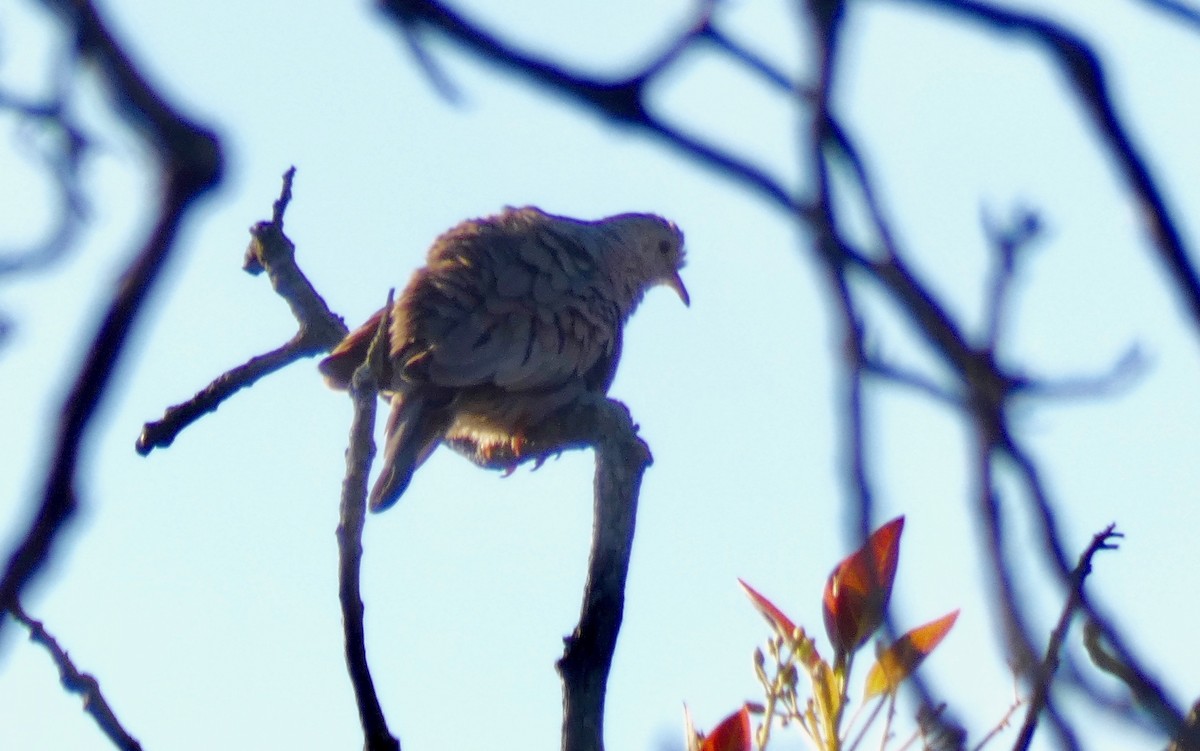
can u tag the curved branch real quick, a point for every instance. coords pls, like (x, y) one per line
(623, 100)
(621, 459)
(191, 162)
(1083, 70)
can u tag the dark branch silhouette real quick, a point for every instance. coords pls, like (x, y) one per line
(1101, 541)
(982, 387)
(78, 682)
(189, 158)
(319, 329)
(351, 520)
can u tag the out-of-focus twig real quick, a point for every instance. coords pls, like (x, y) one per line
(63, 159)
(1087, 81)
(1178, 10)
(190, 161)
(624, 100)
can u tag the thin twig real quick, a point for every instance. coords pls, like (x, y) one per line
(1179, 11)
(351, 520)
(319, 329)
(64, 161)
(1009, 244)
(78, 682)
(1000, 726)
(1045, 675)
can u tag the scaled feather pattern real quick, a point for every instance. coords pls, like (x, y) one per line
(513, 317)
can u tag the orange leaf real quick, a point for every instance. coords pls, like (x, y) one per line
(733, 734)
(900, 659)
(858, 589)
(780, 622)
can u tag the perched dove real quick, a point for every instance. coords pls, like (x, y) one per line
(513, 317)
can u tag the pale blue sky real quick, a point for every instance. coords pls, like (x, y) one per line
(199, 584)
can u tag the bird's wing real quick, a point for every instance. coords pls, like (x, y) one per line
(524, 311)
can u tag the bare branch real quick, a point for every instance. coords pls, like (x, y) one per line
(621, 459)
(352, 518)
(191, 163)
(1180, 11)
(1041, 687)
(623, 101)
(78, 682)
(319, 330)
(1087, 80)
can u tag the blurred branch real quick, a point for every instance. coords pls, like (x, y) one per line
(1147, 693)
(63, 159)
(190, 162)
(829, 142)
(988, 387)
(1087, 81)
(624, 101)
(1009, 243)
(1179, 11)
(319, 330)
(78, 682)
(1041, 687)
(352, 518)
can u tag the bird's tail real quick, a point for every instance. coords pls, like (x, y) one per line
(349, 354)
(414, 429)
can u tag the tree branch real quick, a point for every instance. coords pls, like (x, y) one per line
(319, 329)
(1041, 687)
(190, 160)
(1087, 80)
(623, 101)
(78, 682)
(351, 520)
(621, 459)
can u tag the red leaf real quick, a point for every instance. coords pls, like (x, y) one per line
(780, 622)
(733, 734)
(900, 659)
(858, 589)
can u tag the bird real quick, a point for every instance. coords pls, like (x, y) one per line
(513, 317)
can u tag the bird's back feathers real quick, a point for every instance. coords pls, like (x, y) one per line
(512, 318)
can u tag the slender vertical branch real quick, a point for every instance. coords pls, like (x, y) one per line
(621, 459)
(1041, 688)
(351, 520)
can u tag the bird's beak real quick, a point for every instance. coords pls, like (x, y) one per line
(675, 282)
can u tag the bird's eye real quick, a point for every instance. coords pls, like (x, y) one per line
(664, 247)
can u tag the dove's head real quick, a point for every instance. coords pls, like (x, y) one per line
(652, 253)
